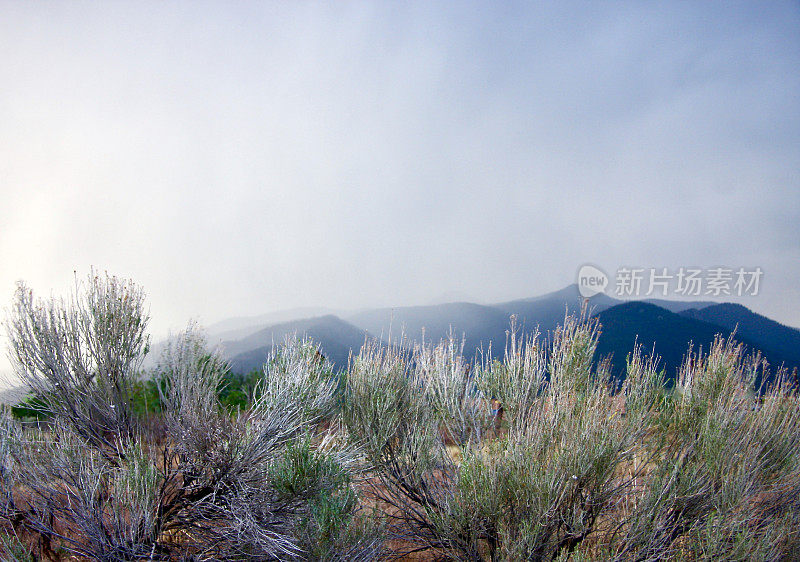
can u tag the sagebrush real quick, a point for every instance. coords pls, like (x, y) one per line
(413, 450)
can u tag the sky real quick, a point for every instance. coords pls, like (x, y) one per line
(239, 158)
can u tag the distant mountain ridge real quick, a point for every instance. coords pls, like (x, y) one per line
(478, 325)
(243, 326)
(668, 325)
(750, 325)
(335, 337)
(669, 334)
(548, 311)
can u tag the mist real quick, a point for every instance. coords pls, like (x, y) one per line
(241, 159)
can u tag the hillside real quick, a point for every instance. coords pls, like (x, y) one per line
(335, 337)
(750, 325)
(479, 324)
(548, 311)
(670, 325)
(241, 327)
(680, 306)
(670, 334)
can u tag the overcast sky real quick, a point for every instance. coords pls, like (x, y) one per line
(238, 158)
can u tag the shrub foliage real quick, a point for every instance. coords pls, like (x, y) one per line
(538, 454)
(101, 480)
(573, 464)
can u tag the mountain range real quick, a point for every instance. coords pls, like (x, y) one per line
(664, 326)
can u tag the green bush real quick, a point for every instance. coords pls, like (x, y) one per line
(538, 454)
(582, 466)
(190, 461)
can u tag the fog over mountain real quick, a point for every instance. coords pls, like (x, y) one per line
(665, 327)
(236, 159)
(668, 328)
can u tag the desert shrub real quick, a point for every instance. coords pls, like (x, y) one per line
(13, 550)
(80, 355)
(725, 482)
(208, 483)
(451, 482)
(582, 466)
(235, 392)
(537, 454)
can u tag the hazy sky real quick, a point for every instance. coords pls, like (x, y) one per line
(237, 158)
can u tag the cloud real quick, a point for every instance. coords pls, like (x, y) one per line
(238, 159)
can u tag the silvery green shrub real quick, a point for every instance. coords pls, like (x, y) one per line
(98, 481)
(541, 454)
